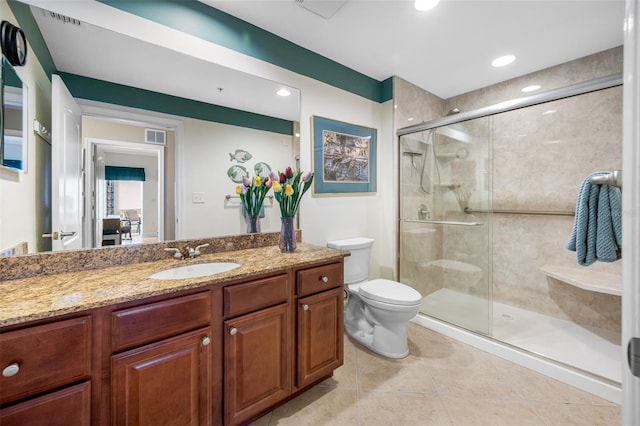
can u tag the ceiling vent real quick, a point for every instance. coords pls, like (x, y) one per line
(324, 8)
(157, 137)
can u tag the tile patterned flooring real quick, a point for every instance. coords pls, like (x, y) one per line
(441, 382)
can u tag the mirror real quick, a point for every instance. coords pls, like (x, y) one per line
(13, 148)
(199, 175)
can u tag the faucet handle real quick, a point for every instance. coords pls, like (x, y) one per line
(177, 254)
(197, 250)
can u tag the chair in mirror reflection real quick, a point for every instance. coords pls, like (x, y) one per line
(111, 231)
(132, 218)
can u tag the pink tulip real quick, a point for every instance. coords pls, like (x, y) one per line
(268, 182)
(246, 181)
(306, 176)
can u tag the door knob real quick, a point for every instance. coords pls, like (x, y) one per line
(233, 331)
(205, 341)
(324, 279)
(305, 307)
(67, 234)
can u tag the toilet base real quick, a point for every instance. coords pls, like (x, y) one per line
(367, 340)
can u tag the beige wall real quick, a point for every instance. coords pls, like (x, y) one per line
(21, 209)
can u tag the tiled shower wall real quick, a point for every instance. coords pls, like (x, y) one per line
(538, 160)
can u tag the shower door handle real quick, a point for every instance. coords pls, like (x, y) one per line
(444, 222)
(633, 356)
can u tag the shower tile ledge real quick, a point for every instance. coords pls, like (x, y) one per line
(601, 282)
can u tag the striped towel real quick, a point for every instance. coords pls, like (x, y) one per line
(597, 230)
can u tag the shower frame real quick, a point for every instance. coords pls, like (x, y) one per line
(493, 345)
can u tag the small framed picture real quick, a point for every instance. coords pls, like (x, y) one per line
(344, 157)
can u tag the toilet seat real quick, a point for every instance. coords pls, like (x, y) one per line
(391, 292)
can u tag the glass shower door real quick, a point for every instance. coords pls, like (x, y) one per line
(444, 248)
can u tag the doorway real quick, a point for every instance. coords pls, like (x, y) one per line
(126, 181)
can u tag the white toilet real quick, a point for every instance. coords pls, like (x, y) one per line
(377, 311)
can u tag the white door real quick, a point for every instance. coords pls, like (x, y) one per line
(67, 204)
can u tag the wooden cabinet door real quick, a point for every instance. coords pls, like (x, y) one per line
(320, 335)
(164, 383)
(257, 362)
(67, 407)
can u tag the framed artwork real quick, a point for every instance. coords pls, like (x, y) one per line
(344, 157)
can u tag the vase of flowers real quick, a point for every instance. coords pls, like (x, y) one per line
(252, 193)
(288, 189)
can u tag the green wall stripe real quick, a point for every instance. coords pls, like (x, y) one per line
(27, 23)
(208, 23)
(104, 91)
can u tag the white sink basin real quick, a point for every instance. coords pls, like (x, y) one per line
(194, 271)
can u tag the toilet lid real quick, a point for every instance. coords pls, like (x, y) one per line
(390, 292)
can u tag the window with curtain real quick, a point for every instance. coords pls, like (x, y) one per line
(124, 173)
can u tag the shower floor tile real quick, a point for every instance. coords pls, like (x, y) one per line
(587, 348)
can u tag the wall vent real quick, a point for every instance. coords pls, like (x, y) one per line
(157, 137)
(324, 8)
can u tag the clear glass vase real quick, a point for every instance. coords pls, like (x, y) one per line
(287, 235)
(253, 223)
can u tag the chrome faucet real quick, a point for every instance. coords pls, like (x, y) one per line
(186, 252)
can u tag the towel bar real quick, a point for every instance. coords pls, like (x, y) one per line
(228, 197)
(614, 179)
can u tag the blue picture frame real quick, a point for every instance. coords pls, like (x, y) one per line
(344, 157)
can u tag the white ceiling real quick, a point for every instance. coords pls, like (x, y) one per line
(447, 51)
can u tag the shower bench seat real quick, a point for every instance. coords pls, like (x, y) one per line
(601, 282)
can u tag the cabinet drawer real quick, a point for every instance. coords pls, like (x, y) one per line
(70, 406)
(248, 297)
(320, 278)
(46, 356)
(155, 321)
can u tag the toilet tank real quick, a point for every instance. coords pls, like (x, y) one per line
(356, 266)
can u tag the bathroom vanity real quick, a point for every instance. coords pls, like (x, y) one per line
(112, 346)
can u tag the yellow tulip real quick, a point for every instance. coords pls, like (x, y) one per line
(288, 189)
(238, 189)
(276, 186)
(257, 181)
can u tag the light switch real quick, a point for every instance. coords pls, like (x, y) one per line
(197, 197)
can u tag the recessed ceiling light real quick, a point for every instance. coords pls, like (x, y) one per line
(531, 88)
(283, 92)
(503, 60)
(424, 5)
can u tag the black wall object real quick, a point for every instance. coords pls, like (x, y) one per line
(14, 44)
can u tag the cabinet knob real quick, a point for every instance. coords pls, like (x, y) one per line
(324, 279)
(305, 307)
(10, 370)
(205, 341)
(233, 331)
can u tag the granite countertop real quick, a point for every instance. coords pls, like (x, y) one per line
(46, 296)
